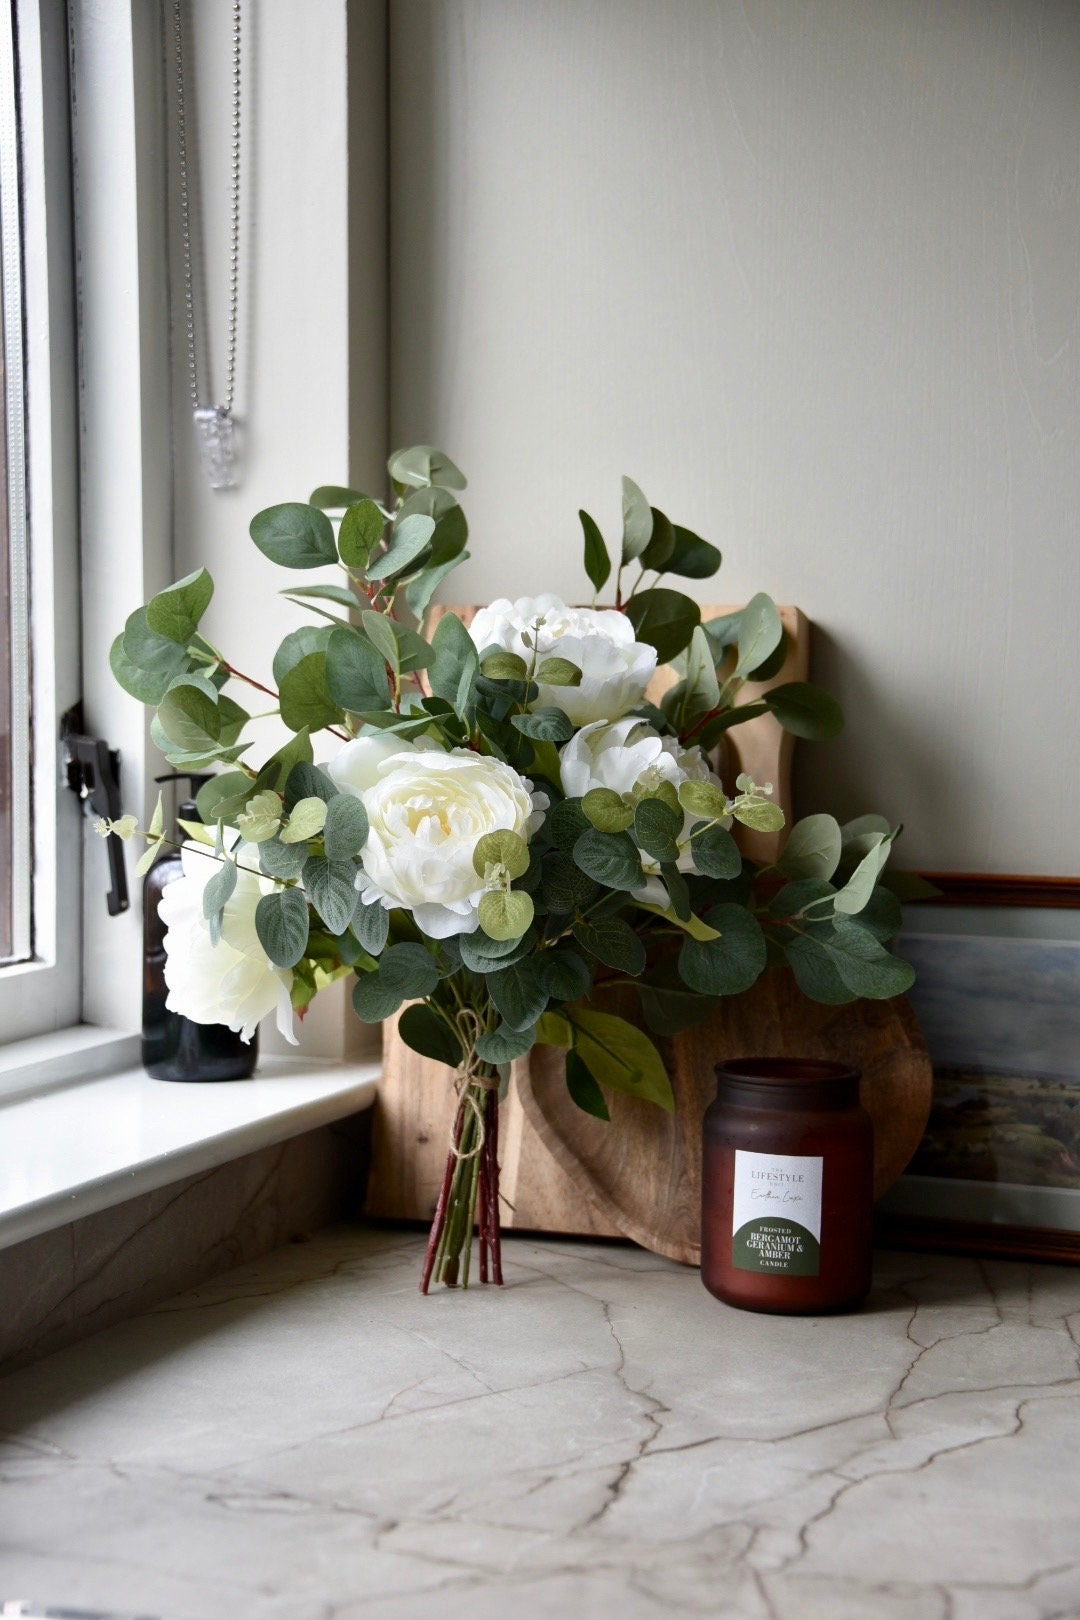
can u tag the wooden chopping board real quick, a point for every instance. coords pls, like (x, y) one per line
(643, 1169)
(546, 1186)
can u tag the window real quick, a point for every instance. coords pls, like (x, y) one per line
(40, 833)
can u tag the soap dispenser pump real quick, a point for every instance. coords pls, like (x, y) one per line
(173, 1047)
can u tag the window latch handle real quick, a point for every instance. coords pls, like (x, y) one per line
(93, 772)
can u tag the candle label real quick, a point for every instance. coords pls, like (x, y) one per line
(776, 1216)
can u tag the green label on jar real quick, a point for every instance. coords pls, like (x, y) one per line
(776, 1214)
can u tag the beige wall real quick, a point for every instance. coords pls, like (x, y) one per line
(809, 270)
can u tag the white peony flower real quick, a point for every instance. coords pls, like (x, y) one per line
(629, 754)
(426, 811)
(615, 669)
(233, 982)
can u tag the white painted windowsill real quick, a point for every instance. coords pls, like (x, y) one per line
(77, 1148)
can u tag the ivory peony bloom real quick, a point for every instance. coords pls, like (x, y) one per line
(426, 812)
(615, 669)
(630, 754)
(233, 982)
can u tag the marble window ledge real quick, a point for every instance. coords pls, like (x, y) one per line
(72, 1152)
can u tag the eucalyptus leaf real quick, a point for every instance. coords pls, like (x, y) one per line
(812, 849)
(356, 677)
(408, 539)
(305, 821)
(569, 819)
(583, 1089)
(224, 796)
(730, 964)
(691, 557)
(426, 1032)
(619, 1055)
(715, 853)
(216, 895)
(661, 543)
(806, 710)
(308, 781)
(564, 887)
(607, 811)
(612, 941)
(360, 532)
(504, 1044)
(501, 848)
(175, 613)
(406, 972)
(456, 665)
(505, 913)
(280, 860)
(332, 497)
(422, 464)
(294, 535)
(346, 827)
(597, 561)
(610, 859)
(663, 619)
(518, 993)
(481, 953)
(281, 922)
(331, 887)
(637, 521)
(546, 725)
(305, 697)
(564, 975)
(371, 925)
(760, 631)
(657, 829)
(420, 590)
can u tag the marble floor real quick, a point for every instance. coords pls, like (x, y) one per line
(309, 1439)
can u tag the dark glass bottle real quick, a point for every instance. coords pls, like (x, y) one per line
(787, 1187)
(174, 1048)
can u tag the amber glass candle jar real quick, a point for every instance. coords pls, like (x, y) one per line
(787, 1187)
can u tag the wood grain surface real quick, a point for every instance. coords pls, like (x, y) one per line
(643, 1169)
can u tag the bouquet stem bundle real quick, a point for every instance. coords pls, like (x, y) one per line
(469, 1194)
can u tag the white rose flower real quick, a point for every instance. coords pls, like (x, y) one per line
(426, 811)
(233, 982)
(615, 669)
(630, 754)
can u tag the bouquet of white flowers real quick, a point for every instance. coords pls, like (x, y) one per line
(502, 823)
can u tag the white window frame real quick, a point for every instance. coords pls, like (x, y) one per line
(44, 993)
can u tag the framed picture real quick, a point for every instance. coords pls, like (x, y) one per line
(998, 998)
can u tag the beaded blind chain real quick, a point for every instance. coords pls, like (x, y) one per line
(214, 424)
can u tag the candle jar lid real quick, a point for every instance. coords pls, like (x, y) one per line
(788, 1083)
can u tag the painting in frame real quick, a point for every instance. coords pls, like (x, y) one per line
(998, 997)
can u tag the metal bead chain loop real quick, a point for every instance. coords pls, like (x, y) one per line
(184, 187)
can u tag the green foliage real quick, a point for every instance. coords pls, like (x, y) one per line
(332, 497)
(502, 848)
(730, 964)
(345, 829)
(428, 1033)
(564, 975)
(812, 849)
(716, 853)
(610, 859)
(281, 922)
(175, 613)
(422, 464)
(456, 665)
(308, 781)
(760, 633)
(518, 993)
(657, 828)
(294, 535)
(360, 532)
(618, 1055)
(306, 820)
(406, 972)
(637, 521)
(663, 619)
(216, 896)
(583, 1089)
(806, 710)
(505, 914)
(547, 725)
(691, 557)
(356, 677)
(504, 1044)
(371, 925)
(612, 941)
(607, 811)
(597, 561)
(409, 539)
(331, 887)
